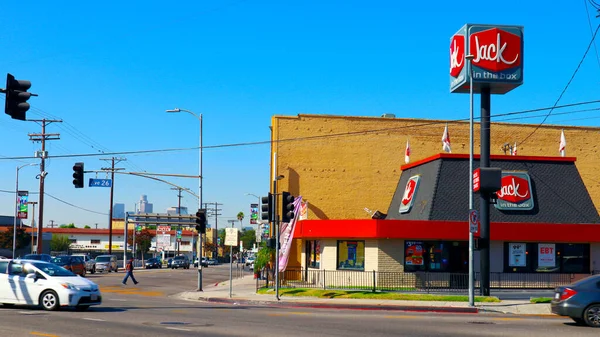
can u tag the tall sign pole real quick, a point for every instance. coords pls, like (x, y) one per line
(485, 59)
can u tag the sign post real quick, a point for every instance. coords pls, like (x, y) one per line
(231, 238)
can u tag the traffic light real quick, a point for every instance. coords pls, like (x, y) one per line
(201, 221)
(16, 97)
(267, 207)
(78, 175)
(287, 207)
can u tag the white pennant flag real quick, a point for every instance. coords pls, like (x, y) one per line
(514, 150)
(407, 153)
(563, 143)
(446, 141)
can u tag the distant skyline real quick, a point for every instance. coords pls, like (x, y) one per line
(110, 75)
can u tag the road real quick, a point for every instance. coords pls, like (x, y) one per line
(149, 309)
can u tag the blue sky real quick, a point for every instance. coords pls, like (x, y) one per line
(111, 69)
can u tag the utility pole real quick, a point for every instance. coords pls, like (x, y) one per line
(112, 170)
(215, 212)
(179, 189)
(42, 154)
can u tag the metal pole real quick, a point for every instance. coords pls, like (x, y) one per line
(231, 265)
(32, 225)
(199, 248)
(110, 215)
(471, 271)
(14, 248)
(125, 240)
(276, 222)
(484, 213)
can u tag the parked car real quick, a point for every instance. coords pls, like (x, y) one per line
(213, 262)
(72, 263)
(45, 284)
(204, 262)
(90, 264)
(38, 257)
(106, 263)
(169, 261)
(250, 260)
(180, 261)
(580, 301)
(153, 262)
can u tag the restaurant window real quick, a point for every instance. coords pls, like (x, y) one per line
(313, 254)
(351, 255)
(95, 242)
(185, 243)
(436, 256)
(520, 257)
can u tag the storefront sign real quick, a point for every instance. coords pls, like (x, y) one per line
(413, 253)
(497, 58)
(516, 192)
(163, 228)
(476, 180)
(409, 194)
(546, 255)
(516, 255)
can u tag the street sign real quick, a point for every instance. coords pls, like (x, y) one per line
(473, 221)
(163, 228)
(231, 236)
(100, 182)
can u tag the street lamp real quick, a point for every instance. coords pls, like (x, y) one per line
(199, 246)
(470, 58)
(14, 249)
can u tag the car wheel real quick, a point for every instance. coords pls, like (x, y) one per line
(94, 270)
(82, 307)
(49, 300)
(591, 315)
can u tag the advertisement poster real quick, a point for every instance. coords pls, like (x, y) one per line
(414, 253)
(516, 255)
(546, 255)
(23, 199)
(253, 214)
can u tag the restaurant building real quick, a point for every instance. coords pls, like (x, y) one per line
(347, 168)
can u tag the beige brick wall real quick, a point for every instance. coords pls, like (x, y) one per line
(371, 255)
(358, 168)
(391, 255)
(329, 254)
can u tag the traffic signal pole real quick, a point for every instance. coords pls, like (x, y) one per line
(112, 189)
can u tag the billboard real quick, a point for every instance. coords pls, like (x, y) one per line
(253, 214)
(497, 58)
(23, 207)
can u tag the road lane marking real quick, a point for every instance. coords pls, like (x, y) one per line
(95, 319)
(178, 311)
(180, 329)
(42, 334)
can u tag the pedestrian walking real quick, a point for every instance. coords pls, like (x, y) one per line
(129, 269)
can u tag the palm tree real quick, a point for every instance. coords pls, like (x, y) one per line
(240, 216)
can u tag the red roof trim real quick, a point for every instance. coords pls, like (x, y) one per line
(492, 157)
(78, 231)
(444, 230)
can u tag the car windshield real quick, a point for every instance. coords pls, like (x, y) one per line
(179, 258)
(103, 259)
(32, 257)
(52, 269)
(588, 280)
(60, 259)
(151, 260)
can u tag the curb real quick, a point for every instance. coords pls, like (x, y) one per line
(464, 310)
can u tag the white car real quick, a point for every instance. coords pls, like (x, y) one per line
(30, 282)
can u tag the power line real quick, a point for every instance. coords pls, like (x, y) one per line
(566, 86)
(587, 12)
(350, 133)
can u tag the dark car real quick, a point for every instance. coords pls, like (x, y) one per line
(580, 301)
(38, 257)
(180, 261)
(73, 263)
(153, 263)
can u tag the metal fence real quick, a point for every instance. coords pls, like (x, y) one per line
(419, 282)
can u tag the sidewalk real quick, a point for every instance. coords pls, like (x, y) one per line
(244, 293)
